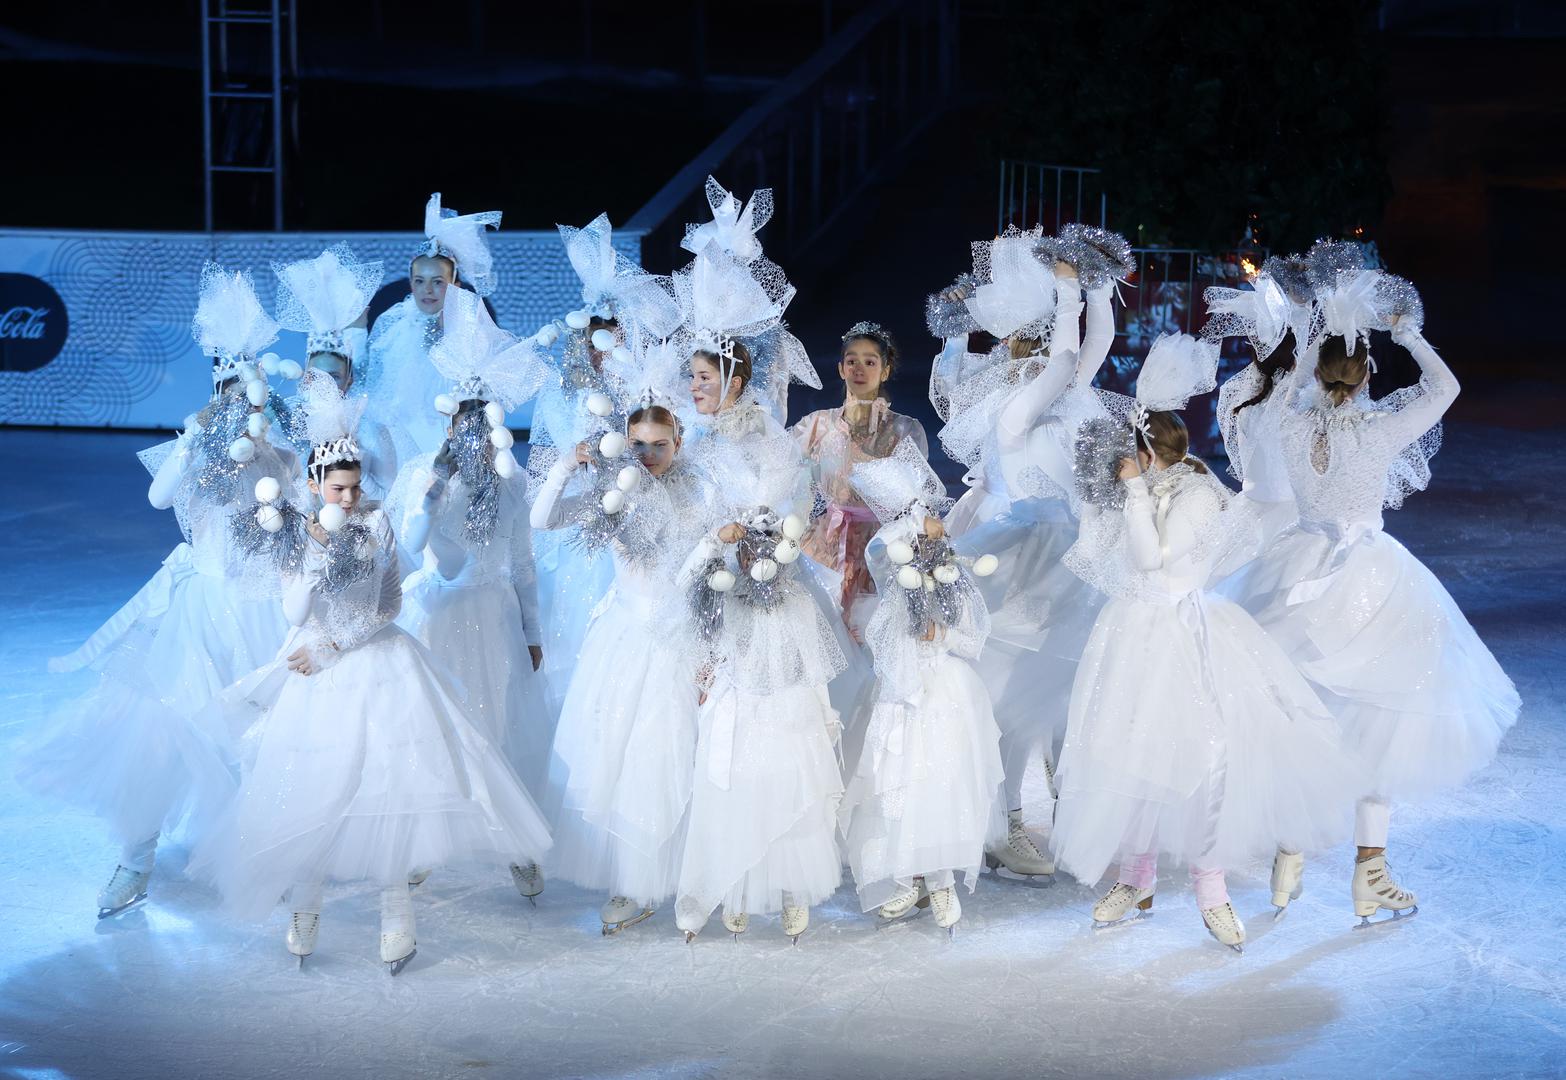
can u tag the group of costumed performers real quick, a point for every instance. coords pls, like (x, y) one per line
(686, 655)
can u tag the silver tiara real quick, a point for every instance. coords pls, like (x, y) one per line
(867, 329)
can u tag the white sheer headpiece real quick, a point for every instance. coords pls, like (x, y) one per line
(230, 325)
(591, 252)
(321, 297)
(460, 237)
(1260, 314)
(331, 421)
(484, 362)
(732, 228)
(1018, 294)
(1177, 368)
(890, 486)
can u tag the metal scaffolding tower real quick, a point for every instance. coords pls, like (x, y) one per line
(249, 65)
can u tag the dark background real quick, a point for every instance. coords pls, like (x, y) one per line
(1433, 130)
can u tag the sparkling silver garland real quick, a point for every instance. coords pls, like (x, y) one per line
(283, 549)
(1328, 259)
(1101, 445)
(948, 318)
(1099, 256)
(350, 557)
(943, 604)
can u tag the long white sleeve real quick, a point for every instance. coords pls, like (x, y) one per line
(1100, 333)
(1150, 549)
(1022, 412)
(165, 485)
(524, 571)
(550, 508)
(1438, 390)
(299, 590)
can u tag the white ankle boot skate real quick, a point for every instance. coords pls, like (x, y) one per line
(125, 888)
(398, 942)
(796, 919)
(1118, 904)
(302, 930)
(1374, 889)
(529, 880)
(946, 908)
(1019, 853)
(1288, 874)
(735, 922)
(621, 912)
(905, 900)
(1224, 924)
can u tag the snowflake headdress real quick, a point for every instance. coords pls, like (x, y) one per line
(460, 238)
(732, 227)
(1016, 294)
(1177, 368)
(323, 296)
(1259, 314)
(231, 326)
(331, 422)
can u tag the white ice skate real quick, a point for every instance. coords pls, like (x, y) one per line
(735, 922)
(418, 877)
(1019, 853)
(796, 919)
(620, 912)
(125, 888)
(398, 943)
(1117, 904)
(1288, 873)
(1225, 925)
(529, 880)
(905, 900)
(302, 930)
(946, 908)
(1049, 774)
(1374, 889)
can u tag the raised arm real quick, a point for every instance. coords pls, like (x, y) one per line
(165, 485)
(551, 508)
(1436, 390)
(1034, 400)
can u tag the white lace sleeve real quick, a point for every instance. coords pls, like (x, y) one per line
(524, 571)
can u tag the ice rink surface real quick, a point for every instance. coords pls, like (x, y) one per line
(1475, 985)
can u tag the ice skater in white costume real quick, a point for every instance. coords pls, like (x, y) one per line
(924, 800)
(1191, 734)
(624, 747)
(362, 764)
(1012, 418)
(473, 601)
(141, 750)
(1422, 702)
(398, 376)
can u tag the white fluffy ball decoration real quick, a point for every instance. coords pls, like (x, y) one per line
(578, 320)
(763, 570)
(946, 573)
(909, 577)
(720, 581)
(446, 405)
(270, 363)
(495, 414)
(501, 438)
(613, 501)
(793, 526)
(268, 490)
(242, 450)
(255, 392)
(546, 336)
(786, 552)
(985, 565)
(256, 423)
(621, 354)
(269, 518)
(332, 517)
(598, 403)
(506, 464)
(290, 369)
(603, 340)
(900, 552)
(629, 477)
(612, 445)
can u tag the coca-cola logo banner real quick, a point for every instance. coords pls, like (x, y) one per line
(33, 323)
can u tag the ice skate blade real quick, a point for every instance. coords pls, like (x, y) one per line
(1127, 920)
(611, 929)
(690, 936)
(532, 902)
(394, 967)
(299, 957)
(110, 912)
(995, 866)
(1366, 922)
(1280, 912)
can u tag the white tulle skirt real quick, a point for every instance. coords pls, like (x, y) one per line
(623, 754)
(925, 797)
(474, 631)
(364, 771)
(1421, 700)
(141, 749)
(763, 805)
(570, 588)
(1040, 615)
(1192, 735)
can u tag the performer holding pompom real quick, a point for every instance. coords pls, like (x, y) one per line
(363, 764)
(140, 749)
(1191, 734)
(1013, 421)
(621, 770)
(923, 802)
(1422, 702)
(474, 599)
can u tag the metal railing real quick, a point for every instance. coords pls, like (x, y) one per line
(820, 136)
(1049, 195)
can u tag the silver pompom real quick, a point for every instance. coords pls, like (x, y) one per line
(1101, 446)
(1328, 259)
(948, 318)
